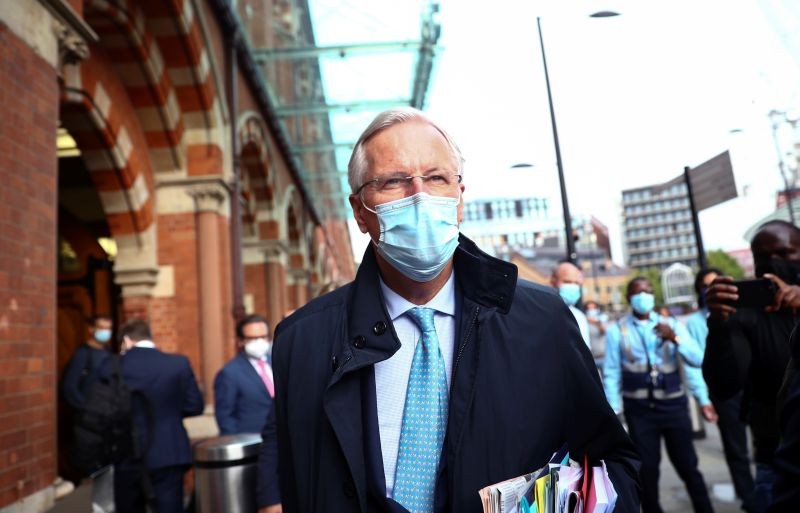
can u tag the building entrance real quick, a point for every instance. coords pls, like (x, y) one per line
(86, 285)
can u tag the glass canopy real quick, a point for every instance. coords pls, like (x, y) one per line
(329, 66)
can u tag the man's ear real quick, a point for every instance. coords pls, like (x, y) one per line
(358, 212)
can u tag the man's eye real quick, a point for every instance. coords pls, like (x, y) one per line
(393, 182)
(437, 179)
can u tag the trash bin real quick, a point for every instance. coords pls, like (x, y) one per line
(225, 473)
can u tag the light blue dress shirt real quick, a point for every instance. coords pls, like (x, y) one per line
(661, 353)
(697, 326)
(391, 376)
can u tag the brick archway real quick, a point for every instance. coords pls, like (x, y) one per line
(257, 178)
(96, 112)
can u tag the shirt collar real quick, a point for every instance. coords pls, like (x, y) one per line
(444, 301)
(145, 343)
(654, 318)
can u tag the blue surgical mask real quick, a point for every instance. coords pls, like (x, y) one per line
(419, 234)
(570, 293)
(593, 313)
(102, 335)
(643, 303)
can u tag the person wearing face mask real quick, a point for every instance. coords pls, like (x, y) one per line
(85, 360)
(597, 331)
(436, 372)
(641, 371)
(244, 387)
(567, 279)
(747, 349)
(732, 430)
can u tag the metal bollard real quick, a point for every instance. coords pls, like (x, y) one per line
(225, 474)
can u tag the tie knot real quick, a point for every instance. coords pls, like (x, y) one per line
(423, 317)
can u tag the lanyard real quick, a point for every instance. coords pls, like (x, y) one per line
(651, 368)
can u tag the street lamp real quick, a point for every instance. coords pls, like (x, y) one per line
(572, 256)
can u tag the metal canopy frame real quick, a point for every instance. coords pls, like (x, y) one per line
(323, 95)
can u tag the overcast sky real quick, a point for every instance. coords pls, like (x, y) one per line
(637, 98)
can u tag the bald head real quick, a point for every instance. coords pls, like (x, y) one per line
(566, 272)
(775, 240)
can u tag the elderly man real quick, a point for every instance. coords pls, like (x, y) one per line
(436, 372)
(567, 279)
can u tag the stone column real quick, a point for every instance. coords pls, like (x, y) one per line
(275, 262)
(208, 200)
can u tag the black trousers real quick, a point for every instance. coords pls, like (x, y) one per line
(649, 422)
(167, 484)
(734, 442)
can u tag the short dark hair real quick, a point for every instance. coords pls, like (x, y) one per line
(634, 281)
(701, 275)
(777, 223)
(97, 317)
(135, 330)
(249, 319)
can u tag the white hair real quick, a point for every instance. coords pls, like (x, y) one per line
(357, 167)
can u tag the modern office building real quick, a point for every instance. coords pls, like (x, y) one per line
(504, 225)
(657, 226)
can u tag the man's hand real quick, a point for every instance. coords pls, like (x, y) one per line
(787, 297)
(719, 297)
(709, 413)
(597, 323)
(275, 508)
(666, 333)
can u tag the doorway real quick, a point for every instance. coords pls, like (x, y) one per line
(86, 253)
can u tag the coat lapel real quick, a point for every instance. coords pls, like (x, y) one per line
(369, 338)
(249, 371)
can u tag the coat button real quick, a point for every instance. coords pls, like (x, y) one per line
(359, 342)
(334, 363)
(379, 328)
(349, 489)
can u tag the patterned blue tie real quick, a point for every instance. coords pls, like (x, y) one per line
(424, 420)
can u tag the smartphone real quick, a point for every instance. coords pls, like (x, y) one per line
(755, 293)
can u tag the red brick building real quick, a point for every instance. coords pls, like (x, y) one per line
(144, 173)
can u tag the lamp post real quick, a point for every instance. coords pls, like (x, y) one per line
(572, 256)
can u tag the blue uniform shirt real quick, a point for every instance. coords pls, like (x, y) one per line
(640, 335)
(697, 326)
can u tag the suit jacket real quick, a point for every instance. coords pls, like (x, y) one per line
(523, 384)
(169, 385)
(241, 401)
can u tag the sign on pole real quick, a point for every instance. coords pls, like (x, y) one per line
(712, 182)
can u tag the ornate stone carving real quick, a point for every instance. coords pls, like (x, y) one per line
(72, 47)
(207, 198)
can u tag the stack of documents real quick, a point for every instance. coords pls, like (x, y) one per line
(561, 486)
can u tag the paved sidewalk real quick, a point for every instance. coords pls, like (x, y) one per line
(674, 498)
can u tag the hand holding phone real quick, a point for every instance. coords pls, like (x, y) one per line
(720, 296)
(787, 296)
(758, 293)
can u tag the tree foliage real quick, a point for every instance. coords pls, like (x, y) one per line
(725, 263)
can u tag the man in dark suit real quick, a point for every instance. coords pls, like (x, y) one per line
(436, 372)
(243, 389)
(170, 393)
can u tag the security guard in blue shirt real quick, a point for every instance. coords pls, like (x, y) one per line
(642, 365)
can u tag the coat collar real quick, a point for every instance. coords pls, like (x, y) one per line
(483, 281)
